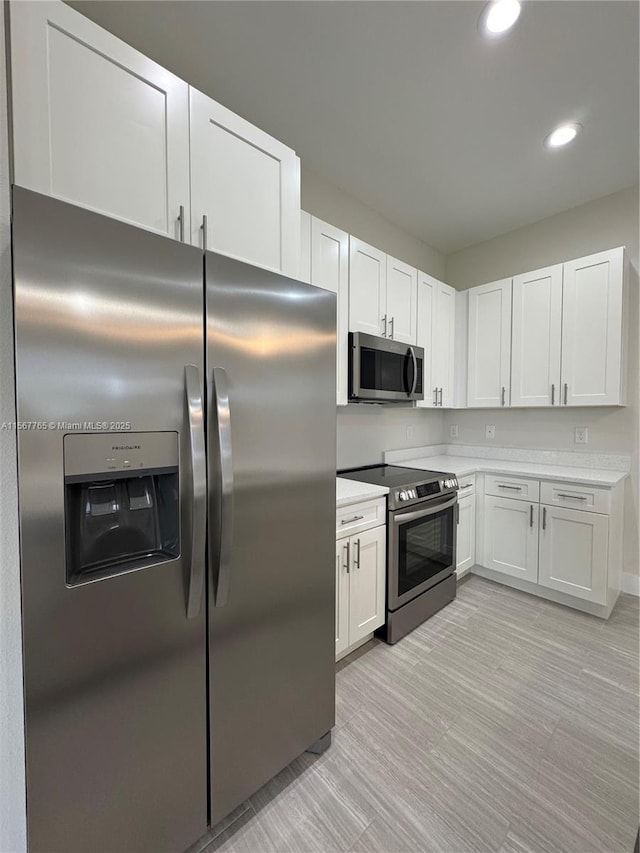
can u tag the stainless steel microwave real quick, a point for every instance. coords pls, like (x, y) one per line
(382, 370)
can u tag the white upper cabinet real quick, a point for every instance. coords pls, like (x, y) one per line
(536, 338)
(247, 185)
(95, 122)
(489, 356)
(436, 335)
(402, 287)
(305, 246)
(592, 324)
(367, 289)
(329, 269)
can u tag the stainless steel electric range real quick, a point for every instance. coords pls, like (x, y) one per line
(421, 542)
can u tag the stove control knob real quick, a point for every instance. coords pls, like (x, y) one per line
(402, 496)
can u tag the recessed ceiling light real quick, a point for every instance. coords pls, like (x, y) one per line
(562, 135)
(499, 16)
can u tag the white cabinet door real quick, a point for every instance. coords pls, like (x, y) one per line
(95, 122)
(436, 335)
(305, 246)
(489, 357)
(466, 536)
(247, 184)
(367, 289)
(573, 553)
(402, 300)
(592, 330)
(367, 583)
(444, 343)
(536, 337)
(330, 270)
(342, 594)
(511, 537)
(427, 296)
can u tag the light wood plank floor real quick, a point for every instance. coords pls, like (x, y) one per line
(504, 723)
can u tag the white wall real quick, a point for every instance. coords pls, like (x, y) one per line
(328, 202)
(13, 830)
(365, 431)
(601, 224)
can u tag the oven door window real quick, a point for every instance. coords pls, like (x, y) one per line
(425, 548)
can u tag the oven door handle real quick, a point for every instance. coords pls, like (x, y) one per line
(404, 517)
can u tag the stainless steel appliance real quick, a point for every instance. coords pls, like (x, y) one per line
(383, 370)
(166, 679)
(421, 542)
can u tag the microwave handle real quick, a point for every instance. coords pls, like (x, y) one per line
(415, 371)
(404, 517)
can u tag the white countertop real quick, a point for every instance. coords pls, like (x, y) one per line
(464, 465)
(352, 492)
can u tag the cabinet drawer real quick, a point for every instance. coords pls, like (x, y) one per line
(586, 498)
(357, 517)
(518, 488)
(466, 486)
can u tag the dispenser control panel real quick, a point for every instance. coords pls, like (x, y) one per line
(117, 453)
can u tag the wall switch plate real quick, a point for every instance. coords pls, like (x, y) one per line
(581, 435)
(409, 432)
(489, 431)
(453, 431)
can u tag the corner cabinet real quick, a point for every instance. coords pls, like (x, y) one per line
(325, 263)
(361, 562)
(436, 335)
(489, 355)
(245, 189)
(98, 124)
(95, 122)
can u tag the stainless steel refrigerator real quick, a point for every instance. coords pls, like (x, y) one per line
(176, 457)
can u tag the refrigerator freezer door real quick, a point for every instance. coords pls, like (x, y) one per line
(271, 374)
(107, 319)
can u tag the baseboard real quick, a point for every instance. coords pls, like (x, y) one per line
(631, 583)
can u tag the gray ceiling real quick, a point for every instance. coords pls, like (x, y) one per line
(408, 108)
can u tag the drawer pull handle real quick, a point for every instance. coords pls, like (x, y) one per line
(466, 486)
(572, 497)
(513, 488)
(349, 520)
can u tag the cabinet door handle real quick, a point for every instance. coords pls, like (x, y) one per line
(384, 326)
(544, 518)
(440, 403)
(566, 393)
(512, 488)
(531, 516)
(356, 560)
(349, 520)
(181, 223)
(553, 395)
(504, 391)
(435, 396)
(346, 565)
(204, 227)
(572, 497)
(391, 323)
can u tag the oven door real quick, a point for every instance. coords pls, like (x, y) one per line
(422, 549)
(384, 370)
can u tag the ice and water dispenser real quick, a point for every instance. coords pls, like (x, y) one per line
(122, 508)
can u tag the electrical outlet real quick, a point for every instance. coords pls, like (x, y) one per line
(409, 432)
(581, 435)
(490, 431)
(453, 431)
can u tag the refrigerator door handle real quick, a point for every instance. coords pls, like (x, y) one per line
(198, 513)
(220, 388)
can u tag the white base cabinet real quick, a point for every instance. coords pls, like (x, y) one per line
(466, 534)
(511, 537)
(572, 556)
(361, 563)
(573, 553)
